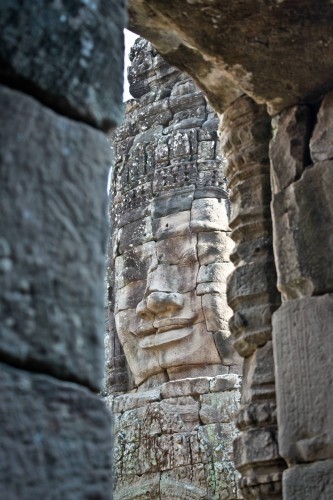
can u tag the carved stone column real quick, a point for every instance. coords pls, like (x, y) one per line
(302, 209)
(245, 132)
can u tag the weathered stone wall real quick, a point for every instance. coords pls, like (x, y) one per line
(56, 80)
(245, 132)
(280, 56)
(302, 209)
(175, 441)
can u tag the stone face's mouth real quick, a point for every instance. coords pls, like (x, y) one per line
(174, 333)
(166, 324)
(143, 331)
(162, 325)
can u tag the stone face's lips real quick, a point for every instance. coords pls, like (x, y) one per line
(166, 337)
(171, 323)
(143, 331)
(161, 326)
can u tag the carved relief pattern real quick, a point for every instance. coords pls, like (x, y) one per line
(252, 294)
(175, 441)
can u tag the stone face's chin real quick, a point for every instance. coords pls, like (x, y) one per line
(164, 338)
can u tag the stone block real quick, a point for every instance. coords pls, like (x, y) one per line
(180, 414)
(127, 402)
(172, 203)
(53, 231)
(215, 272)
(309, 482)
(209, 214)
(224, 342)
(321, 143)
(195, 371)
(303, 352)
(57, 51)
(256, 446)
(219, 407)
(135, 233)
(185, 387)
(180, 250)
(216, 442)
(223, 383)
(184, 482)
(173, 278)
(206, 150)
(55, 439)
(128, 296)
(133, 265)
(172, 225)
(140, 487)
(214, 246)
(179, 175)
(289, 146)
(300, 221)
(216, 311)
(258, 375)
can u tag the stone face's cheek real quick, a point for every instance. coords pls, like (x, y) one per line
(130, 295)
(216, 311)
(197, 348)
(135, 264)
(142, 363)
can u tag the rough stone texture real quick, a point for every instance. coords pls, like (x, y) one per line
(68, 54)
(321, 144)
(55, 439)
(303, 222)
(306, 419)
(309, 482)
(176, 442)
(289, 146)
(260, 48)
(169, 207)
(51, 289)
(305, 267)
(252, 294)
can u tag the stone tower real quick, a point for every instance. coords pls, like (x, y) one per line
(173, 374)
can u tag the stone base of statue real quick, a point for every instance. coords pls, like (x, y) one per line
(175, 441)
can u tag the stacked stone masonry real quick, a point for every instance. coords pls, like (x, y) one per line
(175, 441)
(302, 210)
(56, 80)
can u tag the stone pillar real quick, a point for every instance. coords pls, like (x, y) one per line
(245, 132)
(302, 209)
(57, 79)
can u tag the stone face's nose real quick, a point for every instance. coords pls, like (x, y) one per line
(158, 302)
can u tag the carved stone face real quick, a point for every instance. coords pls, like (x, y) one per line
(170, 278)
